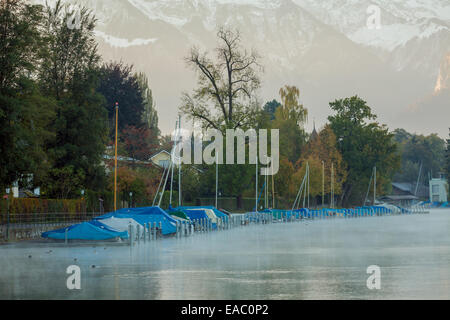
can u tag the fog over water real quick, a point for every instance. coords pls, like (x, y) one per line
(321, 259)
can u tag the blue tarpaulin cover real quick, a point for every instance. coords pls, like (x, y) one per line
(145, 215)
(198, 213)
(195, 214)
(217, 212)
(85, 231)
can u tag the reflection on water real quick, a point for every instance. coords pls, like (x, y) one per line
(306, 260)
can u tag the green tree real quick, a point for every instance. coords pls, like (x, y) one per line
(149, 116)
(286, 183)
(401, 136)
(419, 150)
(321, 153)
(69, 74)
(271, 107)
(363, 145)
(290, 118)
(225, 98)
(118, 83)
(24, 112)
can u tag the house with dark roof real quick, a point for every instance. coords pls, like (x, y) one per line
(405, 188)
(405, 193)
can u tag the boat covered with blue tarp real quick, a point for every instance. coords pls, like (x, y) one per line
(145, 215)
(219, 214)
(92, 230)
(201, 214)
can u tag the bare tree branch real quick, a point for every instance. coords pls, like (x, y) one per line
(226, 85)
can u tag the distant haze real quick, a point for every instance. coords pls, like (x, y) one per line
(325, 48)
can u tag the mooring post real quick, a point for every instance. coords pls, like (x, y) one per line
(149, 231)
(138, 233)
(145, 233)
(177, 229)
(130, 234)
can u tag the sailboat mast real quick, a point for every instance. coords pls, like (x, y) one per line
(217, 176)
(256, 189)
(179, 165)
(115, 160)
(172, 161)
(273, 189)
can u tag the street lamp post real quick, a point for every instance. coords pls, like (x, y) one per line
(101, 205)
(7, 213)
(83, 203)
(131, 199)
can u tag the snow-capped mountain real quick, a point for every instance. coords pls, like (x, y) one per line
(324, 47)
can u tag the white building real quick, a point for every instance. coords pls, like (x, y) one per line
(438, 190)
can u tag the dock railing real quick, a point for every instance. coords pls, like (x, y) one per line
(31, 225)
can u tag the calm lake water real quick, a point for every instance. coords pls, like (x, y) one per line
(321, 259)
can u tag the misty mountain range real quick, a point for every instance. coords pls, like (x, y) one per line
(325, 48)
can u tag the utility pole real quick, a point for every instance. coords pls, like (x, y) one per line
(418, 178)
(115, 160)
(374, 184)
